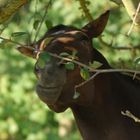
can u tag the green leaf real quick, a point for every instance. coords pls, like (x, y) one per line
(69, 66)
(48, 24)
(95, 64)
(43, 58)
(36, 24)
(137, 61)
(64, 54)
(40, 63)
(84, 73)
(16, 34)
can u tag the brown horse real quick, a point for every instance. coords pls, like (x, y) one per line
(97, 109)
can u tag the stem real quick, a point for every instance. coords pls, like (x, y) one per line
(12, 41)
(42, 20)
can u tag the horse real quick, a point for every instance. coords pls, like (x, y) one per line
(99, 108)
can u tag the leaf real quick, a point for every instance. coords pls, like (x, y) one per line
(40, 63)
(74, 53)
(16, 34)
(95, 64)
(64, 54)
(84, 73)
(69, 66)
(36, 24)
(137, 61)
(43, 58)
(48, 24)
(76, 95)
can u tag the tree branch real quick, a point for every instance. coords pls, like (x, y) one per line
(83, 4)
(7, 9)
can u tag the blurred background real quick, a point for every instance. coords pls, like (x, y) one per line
(22, 115)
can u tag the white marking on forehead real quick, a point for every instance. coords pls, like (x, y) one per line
(75, 32)
(58, 32)
(72, 32)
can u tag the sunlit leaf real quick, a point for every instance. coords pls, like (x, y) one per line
(84, 73)
(69, 66)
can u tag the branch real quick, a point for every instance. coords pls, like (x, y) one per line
(8, 8)
(83, 4)
(131, 7)
(136, 19)
(132, 73)
(42, 20)
(11, 41)
(118, 47)
(99, 71)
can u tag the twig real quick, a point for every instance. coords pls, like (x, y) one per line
(118, 47)
(85, 9)
(42, 20)
(134, 20)
(85, 82)
(96, 71)
(130, 115)
(12, 41)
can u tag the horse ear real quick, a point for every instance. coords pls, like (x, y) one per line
(96, 27)
(26, 51)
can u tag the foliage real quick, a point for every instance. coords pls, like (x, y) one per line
(22, 114)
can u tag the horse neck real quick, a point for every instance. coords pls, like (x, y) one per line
(104, 114)
(88, 117)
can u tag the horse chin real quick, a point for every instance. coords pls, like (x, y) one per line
(49, 95)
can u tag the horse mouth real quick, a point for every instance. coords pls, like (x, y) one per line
(48, 94)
